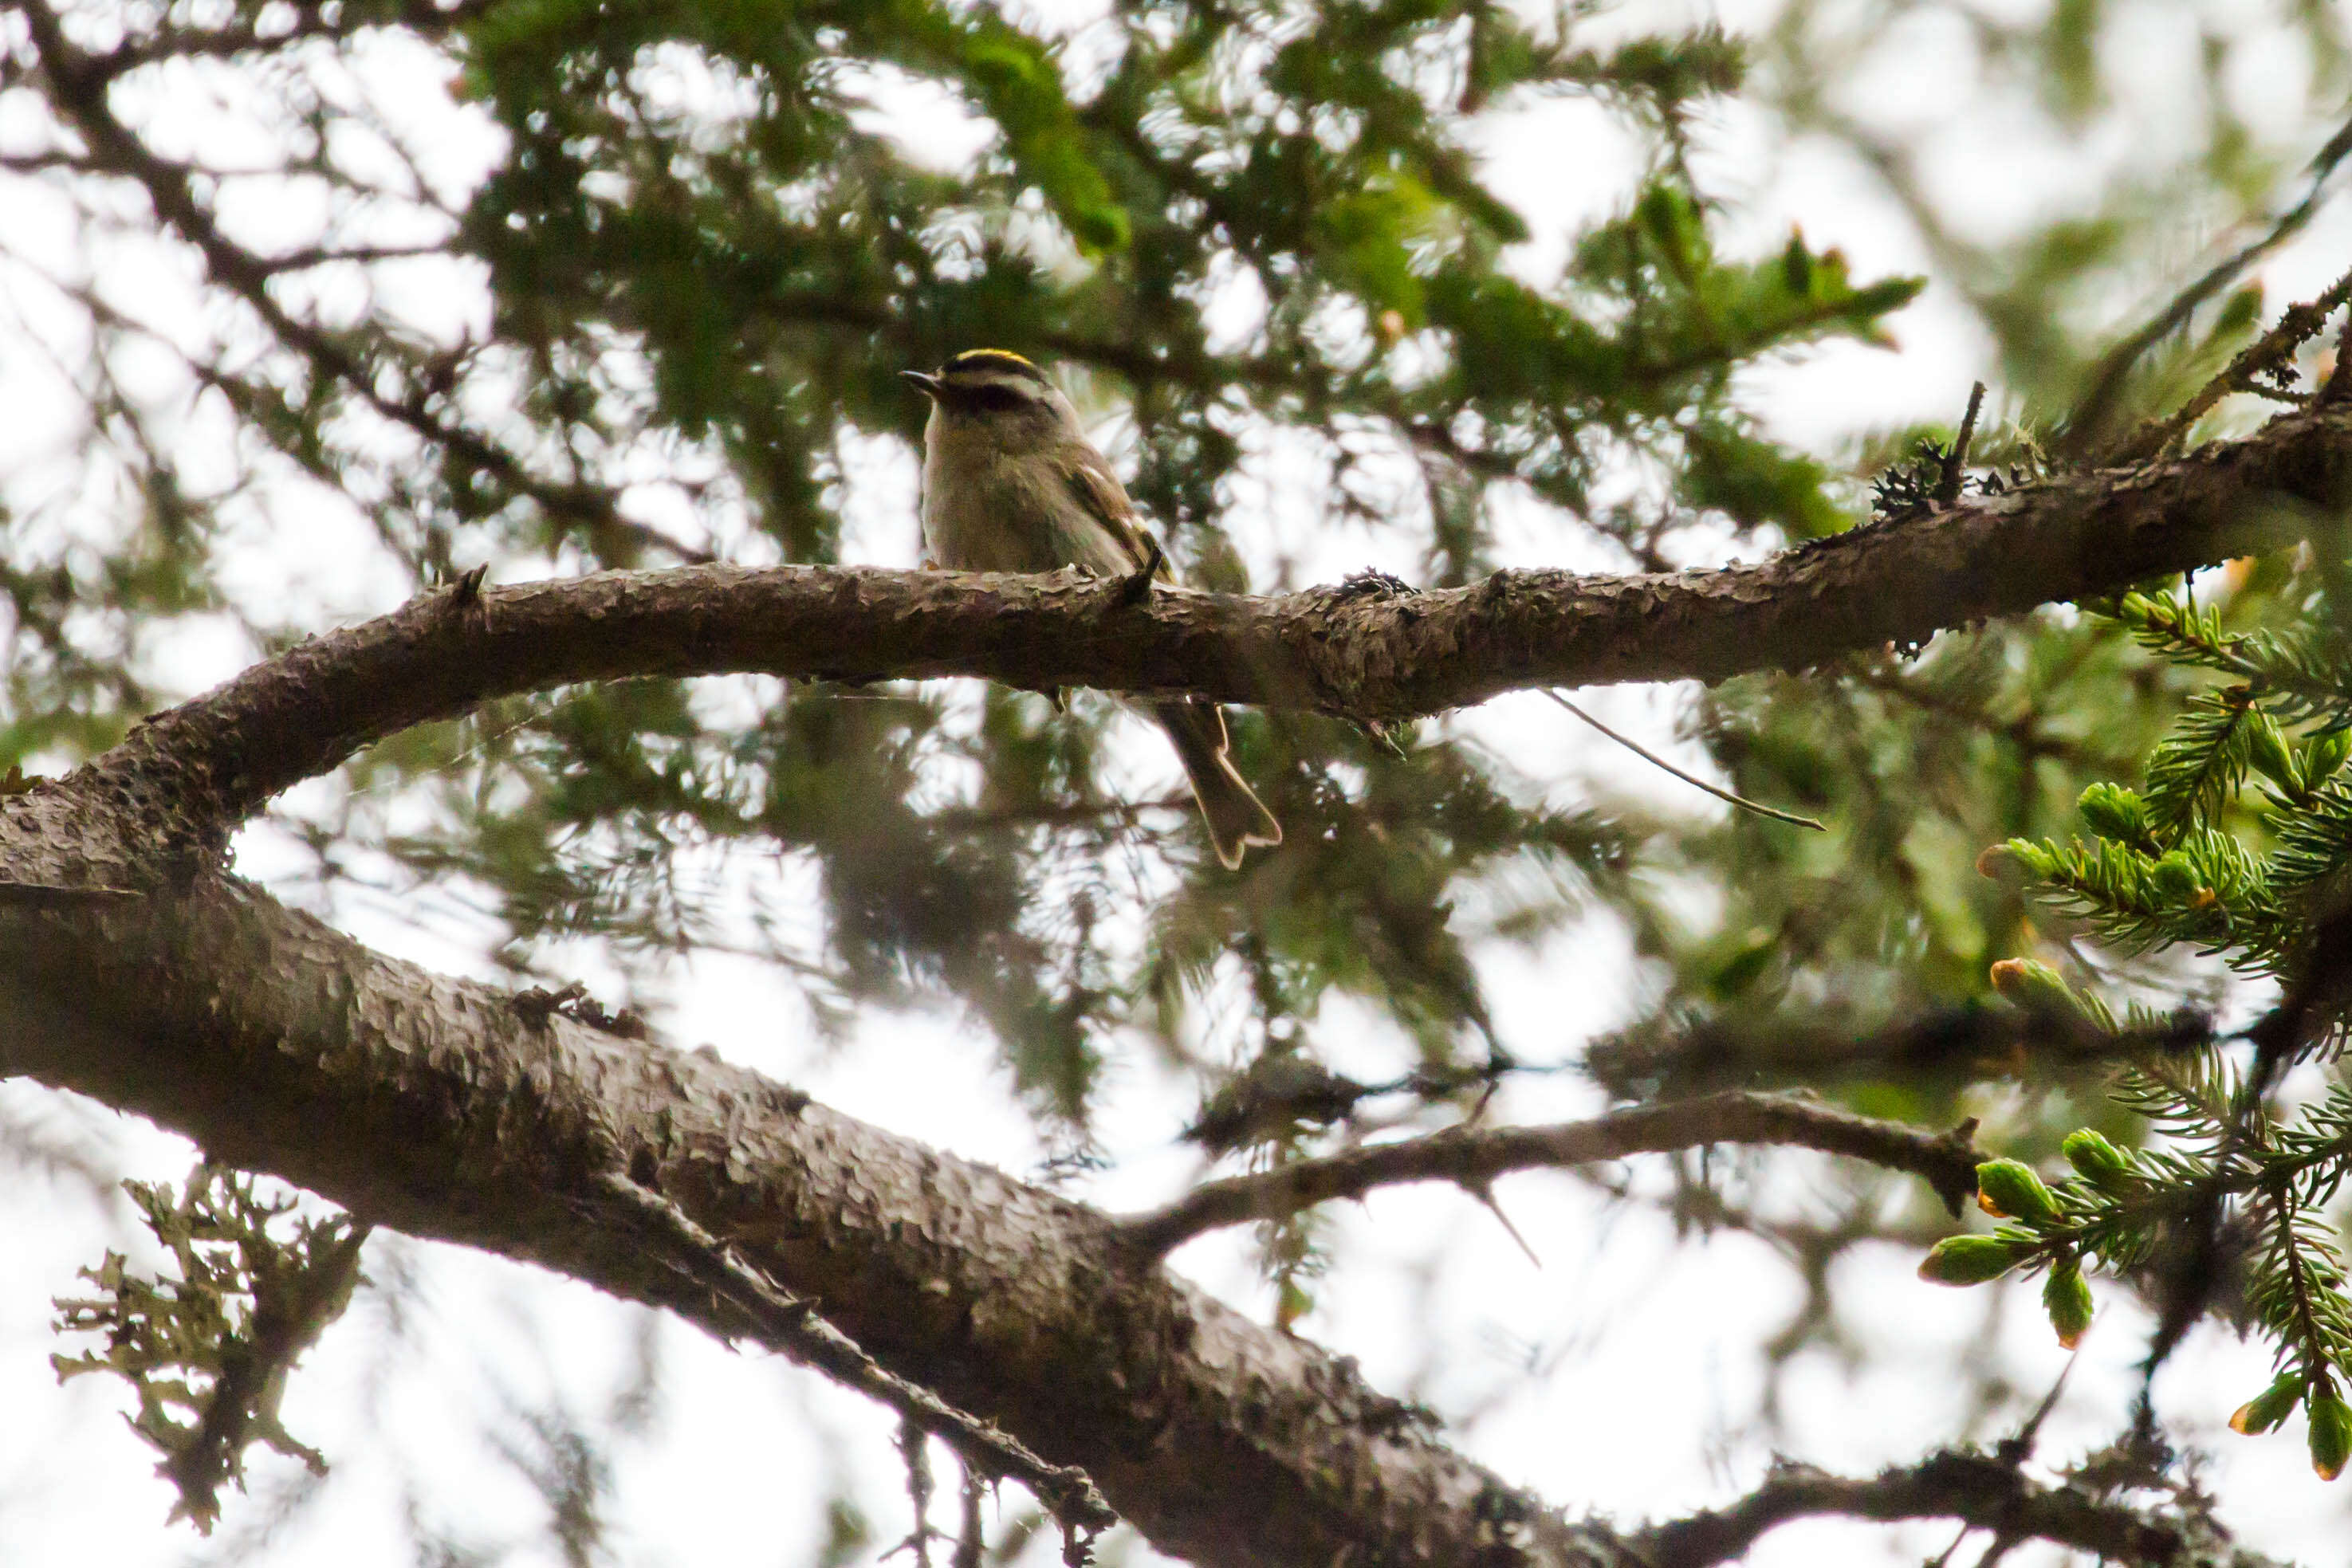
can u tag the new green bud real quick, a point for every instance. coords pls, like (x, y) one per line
(2331, 1432)
(1971, 1259)
(2271, 1407)
(2324, 756)
(2034, 860)
(2066, 1297)
(2033, 986)
(2096, 1161)
(2175, 879)
(2267, 748)
(2008, 1190)
(2115, 812)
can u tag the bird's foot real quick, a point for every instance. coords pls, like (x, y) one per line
(1137, 586)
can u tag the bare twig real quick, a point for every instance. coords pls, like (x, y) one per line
(2295, 324)
(1956, 461)
(972, 1535)
(1473, 1159)
(914, 1454)
(2086, 426)
(1945, 1045)
(1651, 758)
(1978, 1490)
(793, 1325)
(2018, 1446)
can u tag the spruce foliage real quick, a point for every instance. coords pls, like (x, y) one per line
(2234, 848)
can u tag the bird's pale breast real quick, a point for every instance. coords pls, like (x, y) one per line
(985, 511)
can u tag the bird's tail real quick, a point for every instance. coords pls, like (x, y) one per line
(1236, 817)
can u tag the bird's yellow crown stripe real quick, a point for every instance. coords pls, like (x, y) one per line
(997, 358)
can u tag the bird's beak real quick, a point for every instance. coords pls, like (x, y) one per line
(925, 383)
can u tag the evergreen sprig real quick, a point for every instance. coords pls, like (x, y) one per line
(2239, 841)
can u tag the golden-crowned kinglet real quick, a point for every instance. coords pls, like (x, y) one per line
(1012, 484)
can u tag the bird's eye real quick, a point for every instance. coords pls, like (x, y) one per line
(996, 396)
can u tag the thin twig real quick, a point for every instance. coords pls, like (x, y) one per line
(2295, 324)
(2018, 1446)
(972, 1537)
(1473, 1159)
(2088, 423)
(1976, 1489)
(791, 1325)
(1943, 1559)
(1646, 754)
(1956, 462)
(914, 1454)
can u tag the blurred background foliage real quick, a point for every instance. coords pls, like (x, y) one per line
(1264, 245)
(711, 240)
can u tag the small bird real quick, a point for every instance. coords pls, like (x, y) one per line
(1012, 484)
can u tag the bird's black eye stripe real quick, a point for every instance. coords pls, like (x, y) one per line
(995, 397)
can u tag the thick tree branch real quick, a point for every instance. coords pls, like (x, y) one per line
(1368, 649)
(1473, 1158)
(1979, 1489)
(440, 1108)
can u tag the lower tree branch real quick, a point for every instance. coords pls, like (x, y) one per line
(1979, 1489)
(1946, 1046)
(437, 1107)
(1473, 1157)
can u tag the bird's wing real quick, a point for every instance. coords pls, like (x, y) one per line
(1098, 489)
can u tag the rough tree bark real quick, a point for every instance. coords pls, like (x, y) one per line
(442, 1108)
